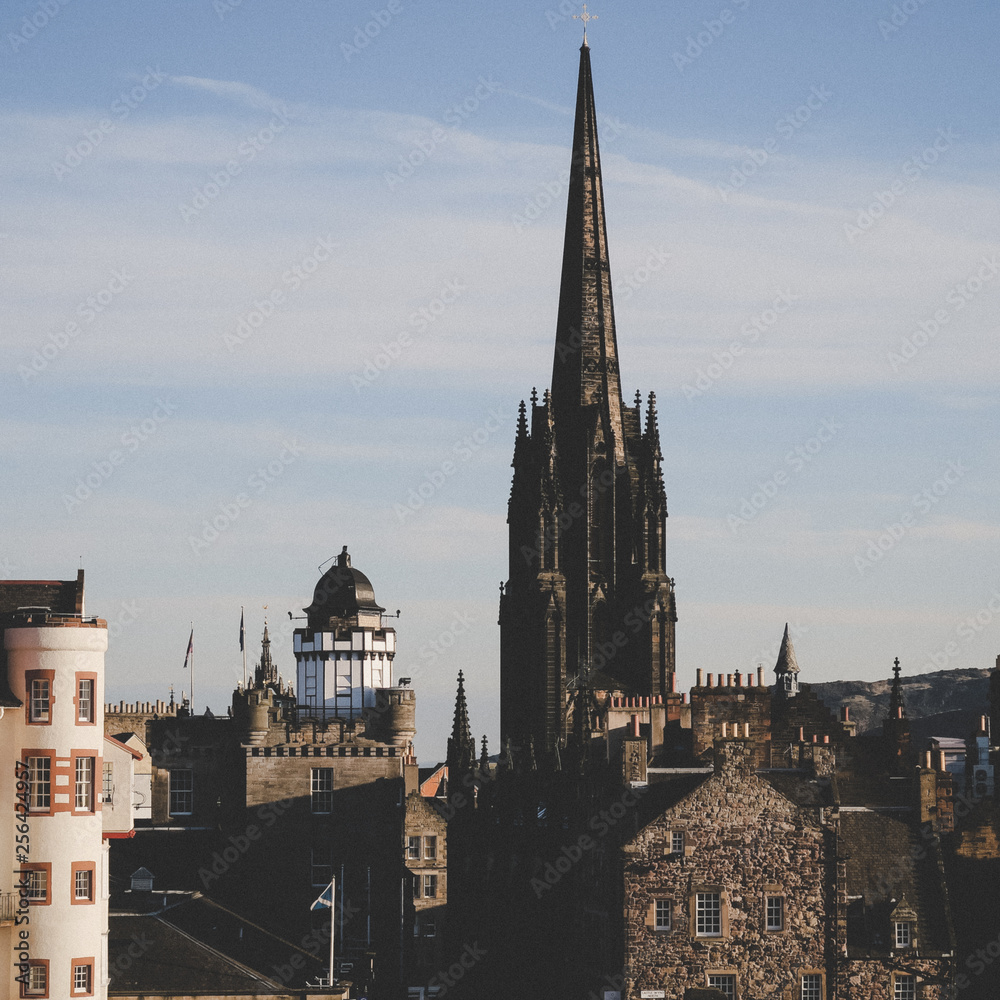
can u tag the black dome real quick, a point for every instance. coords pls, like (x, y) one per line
(342, 592)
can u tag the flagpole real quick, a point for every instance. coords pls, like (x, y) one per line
(192, 669)
(333, 921)
(243, 646)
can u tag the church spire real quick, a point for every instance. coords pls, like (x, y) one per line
(265, 673)
(461, 745)
(786, 670)
(585, 368)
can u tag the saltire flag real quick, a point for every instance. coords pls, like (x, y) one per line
(242, 633)
(325, 900)
(190, 650)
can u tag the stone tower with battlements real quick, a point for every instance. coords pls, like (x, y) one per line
(588, 606)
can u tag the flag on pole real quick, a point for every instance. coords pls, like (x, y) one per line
(325, 900)
(242, 633)
(190, 649)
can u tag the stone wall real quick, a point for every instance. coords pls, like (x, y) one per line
(745, 841)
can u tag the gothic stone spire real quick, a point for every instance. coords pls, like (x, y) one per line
(461, 745)
(586, 356)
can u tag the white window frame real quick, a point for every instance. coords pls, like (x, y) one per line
(108, 781)
(87, 986)
(39, 783)
(774, 913)
(903, 933)
(811, 987)
(181, 792)
(321, 790)
(38, 980)
(723, 981)
(412, 848)
(677, 842)
(662, 915)
(430, 848)
(38, 884)
(904, 988)
(708, 914)
(430, 883)
(41, 704)
(83, 784)
(85, 702)
(87, 876)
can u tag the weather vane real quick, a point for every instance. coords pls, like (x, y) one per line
(585, 17)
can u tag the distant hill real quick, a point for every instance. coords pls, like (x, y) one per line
(943, 703)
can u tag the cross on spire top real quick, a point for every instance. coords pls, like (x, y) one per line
(585, 17)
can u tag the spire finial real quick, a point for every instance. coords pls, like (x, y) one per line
(534, 396)
(585, 17)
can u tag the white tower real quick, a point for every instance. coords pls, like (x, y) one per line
(54, 873)
(344, 655)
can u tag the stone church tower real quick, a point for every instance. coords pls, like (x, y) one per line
(588, 607)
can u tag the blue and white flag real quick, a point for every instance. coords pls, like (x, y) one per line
(325, 900)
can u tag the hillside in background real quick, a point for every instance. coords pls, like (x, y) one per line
(943, 703)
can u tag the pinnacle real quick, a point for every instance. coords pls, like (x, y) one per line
(787, 663)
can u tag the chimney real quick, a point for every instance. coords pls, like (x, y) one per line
(739, 679)
(635, 725)
(760, 676)
(845, 713)
(697, 678)
(709, 681)
(729, 680)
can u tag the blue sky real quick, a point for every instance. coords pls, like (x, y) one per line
(305, 273)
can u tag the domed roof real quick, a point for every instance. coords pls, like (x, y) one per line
(342, 592)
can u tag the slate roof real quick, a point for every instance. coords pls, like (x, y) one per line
(197, 946)
(886, 860)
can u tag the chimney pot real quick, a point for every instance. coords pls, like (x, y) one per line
(760, 676)
(729, 680)
(698, 678)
